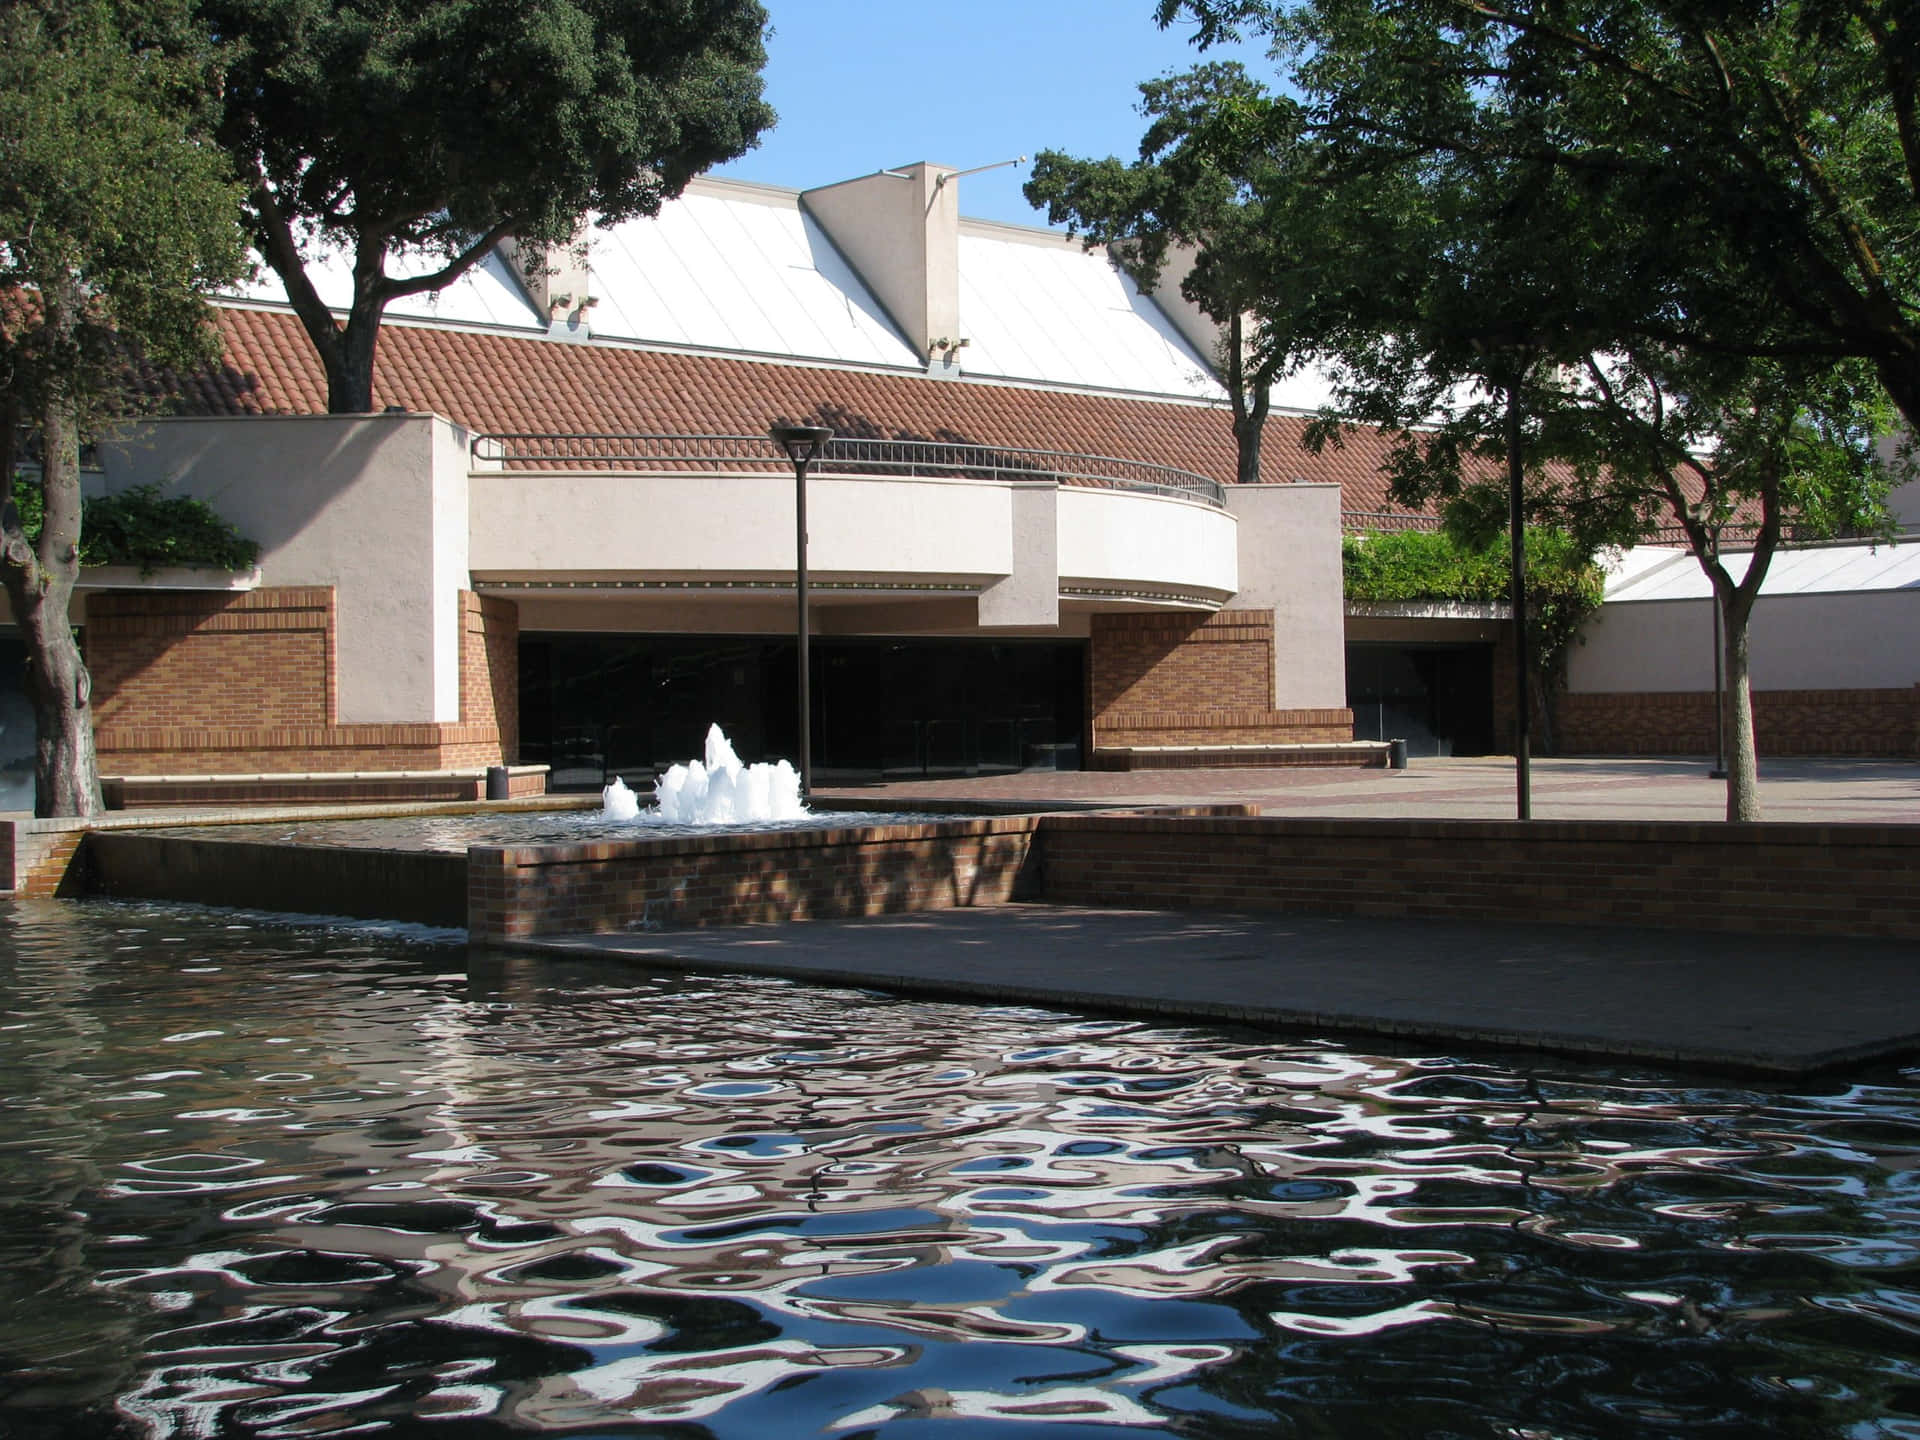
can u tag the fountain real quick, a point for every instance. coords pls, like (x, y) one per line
(720, 791)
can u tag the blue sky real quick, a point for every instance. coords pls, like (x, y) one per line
(865, 84)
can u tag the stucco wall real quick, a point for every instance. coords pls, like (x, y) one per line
(1138, 542)
(566, 526)
(1020, 545)
(1289, 561)
(1799, 642)
(373, 505)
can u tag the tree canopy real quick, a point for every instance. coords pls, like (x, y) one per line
(115, 216)
(441, 127)
(1241, 203)
(1750, 174)
(1653, 255)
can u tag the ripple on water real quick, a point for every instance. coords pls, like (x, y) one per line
(452, 834)
(323, 1184)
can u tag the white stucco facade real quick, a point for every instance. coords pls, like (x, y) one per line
(389, 511)
(1828, 618)
(1289, 541)
(373, 505)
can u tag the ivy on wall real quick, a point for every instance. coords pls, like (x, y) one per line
(1564, 586)
(143, 527)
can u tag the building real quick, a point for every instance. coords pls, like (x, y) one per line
(1834, 653)
(567, 540)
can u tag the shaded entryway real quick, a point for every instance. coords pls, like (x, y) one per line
(597, 705)
(1438, 698)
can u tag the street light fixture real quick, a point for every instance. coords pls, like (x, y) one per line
(803, 444)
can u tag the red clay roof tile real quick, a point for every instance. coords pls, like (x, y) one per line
(495, 383)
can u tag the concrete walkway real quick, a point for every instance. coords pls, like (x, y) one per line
(1757, 1004)
(1812, 791)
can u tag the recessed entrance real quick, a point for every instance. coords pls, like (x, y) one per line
(595, 705)
(1438, 698)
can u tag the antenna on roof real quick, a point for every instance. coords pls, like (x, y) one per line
(946, 175)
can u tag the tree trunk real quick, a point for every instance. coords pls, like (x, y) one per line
(39, 582)
(349, 362)
(1743, 766)
(1901, 377)
(1246, 437)
(1251, 399)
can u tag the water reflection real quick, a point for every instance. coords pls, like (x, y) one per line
(452, 834)
(277, 1182)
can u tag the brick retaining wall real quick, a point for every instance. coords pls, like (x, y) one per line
(171, 750)
(1773, 878)
(1860, 880)
(1785, 722)
(521, 891)
(416, 886)
(193, 683)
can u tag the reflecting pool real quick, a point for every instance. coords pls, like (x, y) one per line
(452, 834)
(265, 1178)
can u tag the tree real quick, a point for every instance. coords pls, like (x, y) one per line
(1189, 192)
(1759, 165)
(115, 216)
(1647, 254)
(442, 127)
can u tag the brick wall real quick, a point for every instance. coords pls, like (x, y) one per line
(1184, 679)
(295, 749)
(1785, 722)
(1781, 879)
(262, 658)
(490, 668)
(37, 858)
(1770, 878)
(516, 892)
(190, 683)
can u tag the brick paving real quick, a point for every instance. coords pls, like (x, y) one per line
(1816, 791)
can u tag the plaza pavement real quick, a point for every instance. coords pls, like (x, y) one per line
(1783, 1006)
(1812, 791)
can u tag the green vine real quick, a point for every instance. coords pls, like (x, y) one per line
(142, 527)
(1564, 585)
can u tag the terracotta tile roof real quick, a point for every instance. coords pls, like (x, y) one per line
(495, 383)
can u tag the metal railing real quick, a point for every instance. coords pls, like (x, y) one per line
(843, 456)
(1378, 522)
(1734, 536)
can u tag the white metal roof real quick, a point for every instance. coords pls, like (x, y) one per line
(487, 294)
(1649, 572)
(736, 267)
(1036, 306)
(733, 269)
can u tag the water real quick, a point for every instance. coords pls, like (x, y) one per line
(269, 1180)
(718, 791)
(452, 834)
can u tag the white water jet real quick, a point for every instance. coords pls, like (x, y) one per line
(720, 791)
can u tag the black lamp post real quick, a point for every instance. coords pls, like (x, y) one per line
(803, 444)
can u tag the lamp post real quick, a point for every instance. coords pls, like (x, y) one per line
(1517, 540)
(1719, 770)
(803, 444)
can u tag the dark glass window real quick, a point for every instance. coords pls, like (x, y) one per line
(592, 706)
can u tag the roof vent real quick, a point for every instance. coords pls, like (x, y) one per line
(556, 279)
(901, 230)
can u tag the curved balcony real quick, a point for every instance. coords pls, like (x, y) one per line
(842, 456)
(1016, 532)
